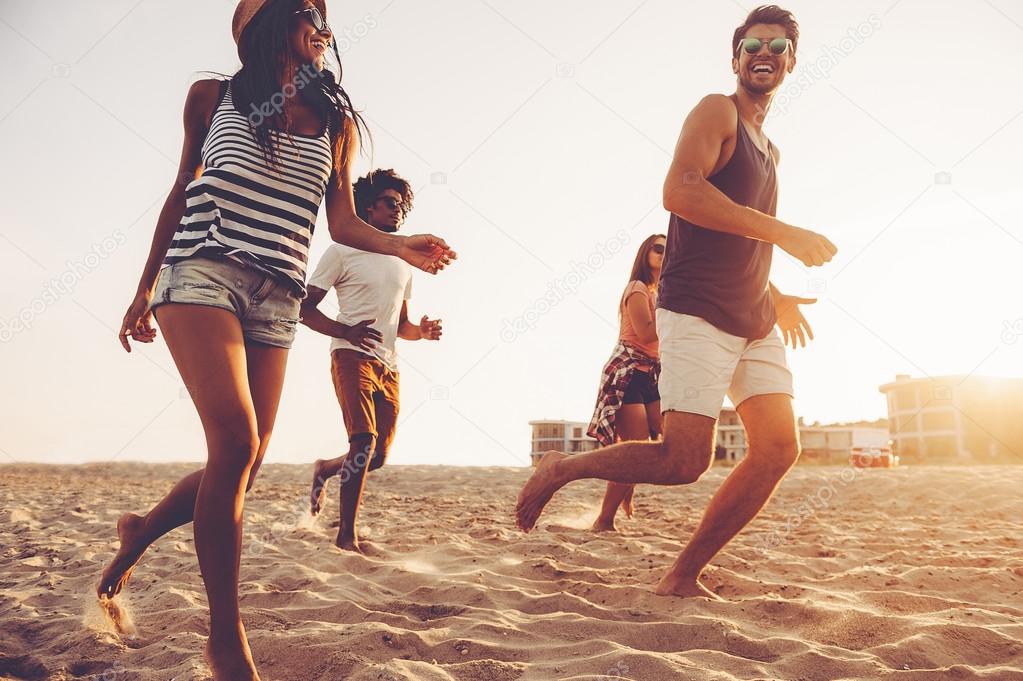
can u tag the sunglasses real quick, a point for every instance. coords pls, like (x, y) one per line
(391, 202)
(319, 23)
(778, 46)
(658, 249)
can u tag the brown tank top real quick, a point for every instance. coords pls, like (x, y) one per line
(721, 277)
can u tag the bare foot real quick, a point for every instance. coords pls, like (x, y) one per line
(116, 616)
(349, 544)
(130, 532)
(685, 588)
(627, 504)
(538, 490)
(230, 660)
(602, 526)
(319, 491)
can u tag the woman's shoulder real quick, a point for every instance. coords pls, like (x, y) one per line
(637, 286)
(202, 99)
(206, 90)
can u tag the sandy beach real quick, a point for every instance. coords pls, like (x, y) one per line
(911, 574)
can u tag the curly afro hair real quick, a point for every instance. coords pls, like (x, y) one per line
(367, 189)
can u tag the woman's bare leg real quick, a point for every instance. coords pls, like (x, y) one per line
(136, 533)
(214, 366)
(630, 425)
(654, 421)
(266, 366)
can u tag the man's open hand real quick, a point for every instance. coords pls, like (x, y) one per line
(791, 321)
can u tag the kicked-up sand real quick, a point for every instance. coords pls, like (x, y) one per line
(910, 574)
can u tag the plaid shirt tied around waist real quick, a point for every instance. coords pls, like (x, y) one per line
(614, 379)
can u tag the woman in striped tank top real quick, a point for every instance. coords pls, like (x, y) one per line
(226, 275)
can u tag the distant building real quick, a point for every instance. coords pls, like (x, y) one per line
(563, 436)
(731, 439)
(834, 444)
(956, 418)
(820, 443)
(570, 437)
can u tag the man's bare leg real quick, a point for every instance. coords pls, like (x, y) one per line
(353, 482)
(681, 458)
(323, 470)
(774, 448)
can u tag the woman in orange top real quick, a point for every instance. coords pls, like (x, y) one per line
(628, 404)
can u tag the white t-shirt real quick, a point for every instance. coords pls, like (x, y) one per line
(368, 286)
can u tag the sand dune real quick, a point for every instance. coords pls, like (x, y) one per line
(910, 574)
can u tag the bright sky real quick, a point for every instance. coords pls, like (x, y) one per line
(537, 136)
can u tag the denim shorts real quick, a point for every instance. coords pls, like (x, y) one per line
(266, 306)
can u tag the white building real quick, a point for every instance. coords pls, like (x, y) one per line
(731, 437)
(956, 418)
(834, 444)
(570, 437)
(563, 436)
(820, 444)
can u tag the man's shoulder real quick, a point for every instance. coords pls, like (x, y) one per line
(717, 105)
(335, 249)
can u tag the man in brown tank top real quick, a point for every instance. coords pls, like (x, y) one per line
(717, 312)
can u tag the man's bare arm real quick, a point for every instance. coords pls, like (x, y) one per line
(426, 329)
(406, 329)
(361, 334)
(689, 194)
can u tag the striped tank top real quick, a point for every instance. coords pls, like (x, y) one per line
(243, 208)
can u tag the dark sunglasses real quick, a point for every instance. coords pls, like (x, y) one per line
(391, 203)
(319, 23)
(658, 249)
(778, 46)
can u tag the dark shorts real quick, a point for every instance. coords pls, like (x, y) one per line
(641, 390)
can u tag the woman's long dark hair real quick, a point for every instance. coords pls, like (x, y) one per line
(641, 267)
(266, 52)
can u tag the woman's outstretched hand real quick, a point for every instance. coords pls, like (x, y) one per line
(138, 322)
(427, 252)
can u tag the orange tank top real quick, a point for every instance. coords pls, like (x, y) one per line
(627, 332)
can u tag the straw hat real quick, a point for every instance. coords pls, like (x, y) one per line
(248, 9)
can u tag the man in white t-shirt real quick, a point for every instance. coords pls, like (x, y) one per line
(372, 295)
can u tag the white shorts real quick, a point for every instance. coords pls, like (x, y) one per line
(700, 364)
